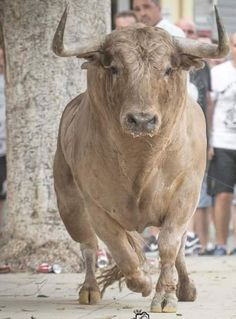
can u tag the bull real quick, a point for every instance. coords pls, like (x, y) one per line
(131, 153)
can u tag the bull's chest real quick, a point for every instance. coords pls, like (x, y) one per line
(107, 187)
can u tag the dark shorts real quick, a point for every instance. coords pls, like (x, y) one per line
(222, 172)
(3, 177)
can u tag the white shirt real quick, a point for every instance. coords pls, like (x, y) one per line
(223, 78)
(171, 28)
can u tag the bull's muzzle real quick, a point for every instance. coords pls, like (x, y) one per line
(141, 124)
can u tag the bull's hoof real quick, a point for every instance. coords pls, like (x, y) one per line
(89, 297)
(186, 292)
(164, 303)
(141, 284)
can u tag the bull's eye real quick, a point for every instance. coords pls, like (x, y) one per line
(168, 71)
(114, 70)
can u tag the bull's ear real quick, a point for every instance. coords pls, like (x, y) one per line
(188, 62)
(96, 58)
(91, 57)
(106, 60)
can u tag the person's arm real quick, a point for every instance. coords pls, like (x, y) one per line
(210, 112)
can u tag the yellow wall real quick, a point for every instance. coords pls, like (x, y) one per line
(187, 9)
(177, 9)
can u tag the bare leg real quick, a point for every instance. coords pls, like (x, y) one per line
(186, 290)
(2, 213)
(234, 222)
(201, 226)
(222, 216)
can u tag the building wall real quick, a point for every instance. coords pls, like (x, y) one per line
(188, 11)
(177, 9)
(123, 5)
(227, 10)
(205, 18)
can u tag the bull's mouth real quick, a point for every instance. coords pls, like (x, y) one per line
(141, 133)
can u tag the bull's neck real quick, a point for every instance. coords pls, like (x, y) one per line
(107, 128)
(136, 159)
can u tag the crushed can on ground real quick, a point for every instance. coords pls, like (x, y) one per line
(102, 258)
(4, 269)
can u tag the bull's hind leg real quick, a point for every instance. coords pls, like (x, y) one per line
(186, 290)
(75, 218)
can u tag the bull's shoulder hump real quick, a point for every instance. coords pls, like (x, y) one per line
(70, 112)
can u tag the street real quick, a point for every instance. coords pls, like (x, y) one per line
(54, 296)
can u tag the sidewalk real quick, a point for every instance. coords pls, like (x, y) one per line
(51, 296)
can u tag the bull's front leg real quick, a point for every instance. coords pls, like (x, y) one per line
(169, 241)
(125, 256)
(89, 292)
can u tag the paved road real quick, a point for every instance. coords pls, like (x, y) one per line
(51, 296)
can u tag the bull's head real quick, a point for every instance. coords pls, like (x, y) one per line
(137, 72)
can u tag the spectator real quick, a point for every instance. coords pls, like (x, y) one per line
(222, 170)
(188, 27)
(2, 140)
(199, 89)
(125, 19)
(149, 12)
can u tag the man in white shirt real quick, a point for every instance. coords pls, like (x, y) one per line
(222, 170)
(149, 13)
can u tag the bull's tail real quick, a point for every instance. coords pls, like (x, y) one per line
(108, 277)
(137, 242)
(113, 274)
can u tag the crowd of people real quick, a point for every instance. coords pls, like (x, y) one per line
(214, 88)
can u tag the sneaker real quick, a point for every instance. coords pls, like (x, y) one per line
(192, 245)
(151, 244)
(233, 252)
(220, 251)
(208, 251)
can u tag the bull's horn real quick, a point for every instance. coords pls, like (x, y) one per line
(60, 49)
(205, 50)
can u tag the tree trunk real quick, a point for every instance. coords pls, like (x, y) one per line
(38, 86)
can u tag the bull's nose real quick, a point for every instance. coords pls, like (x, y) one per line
(141, 122)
